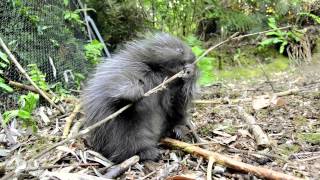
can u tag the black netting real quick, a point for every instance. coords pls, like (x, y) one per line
(35, 31)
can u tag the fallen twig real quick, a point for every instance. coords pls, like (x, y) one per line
(69, 120)
(76, 127)
(228, 162)
(309, 159)
(73, 176)
(234, 101)
(209, 101)
(209, 170)
(195, 135)
(259, 135)
(148, 175)
(252, 153)
(17, 64)
(31, 88)
(115, 171)
(28, 169)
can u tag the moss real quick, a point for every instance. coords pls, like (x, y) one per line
(231, 130)
(249, 72)
(313, 138)
(207, 129)
(315, 95)
(288, 149)
(299, 121)
(281, 63)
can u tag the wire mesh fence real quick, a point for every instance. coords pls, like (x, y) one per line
(37, 33)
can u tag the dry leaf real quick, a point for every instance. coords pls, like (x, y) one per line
(278, 101)
(260, 102)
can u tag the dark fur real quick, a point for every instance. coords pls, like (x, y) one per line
(123, 79)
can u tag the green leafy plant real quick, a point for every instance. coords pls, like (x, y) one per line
(25, 11)
(38, 77)
(59, 89)
(78, 79)
(66, 2)
(4, 62)
(73, 16)
(278, 36)
(93, 51)
(27, 104)
(312, 16)
(205, 65)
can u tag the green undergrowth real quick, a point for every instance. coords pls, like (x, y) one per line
(227, 63)
(210, 76)
(313, 138)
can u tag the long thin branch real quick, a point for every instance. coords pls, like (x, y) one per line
(209, 169)
(18, 65)
(235, 37)
(227, 161)
(31, 88)
(260, 136)
(69, 120)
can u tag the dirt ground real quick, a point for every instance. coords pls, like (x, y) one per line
(291, 121)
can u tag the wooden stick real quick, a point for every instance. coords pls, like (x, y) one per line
(220, 101)
(31, 88)
(207, 101)
(58, 166)
(17, 64)
(209, 170)
(76, 176)
(26, 87)
(76, 127)
(227, 161)
(259, 135)
(69, 120)
(117, 170)
(215, 46)
(235, 37)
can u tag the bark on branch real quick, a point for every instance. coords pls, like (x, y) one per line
(227, 161)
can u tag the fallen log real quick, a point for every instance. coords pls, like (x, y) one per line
(227, 161)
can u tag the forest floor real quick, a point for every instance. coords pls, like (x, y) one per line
(290, 120)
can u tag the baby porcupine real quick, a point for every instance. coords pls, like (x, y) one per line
(138, 67)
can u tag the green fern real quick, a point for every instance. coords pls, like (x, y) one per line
(312, 16)
(238, 21)
(38, 77)
(27, 104)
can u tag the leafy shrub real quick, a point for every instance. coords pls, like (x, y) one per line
(278, 36)
(73, 16)
(206, 65)
(27, 103)
(93, 51)
(38, 77)
(312, 16)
